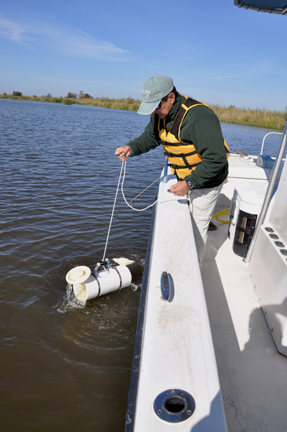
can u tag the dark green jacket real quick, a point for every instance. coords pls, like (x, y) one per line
(202, 128)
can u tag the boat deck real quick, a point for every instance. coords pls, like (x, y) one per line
(252, 374)
(177, 360)
(211, 339)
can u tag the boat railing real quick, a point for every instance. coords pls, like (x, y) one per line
(263, 141)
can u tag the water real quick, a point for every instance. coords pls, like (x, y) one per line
(64, 365)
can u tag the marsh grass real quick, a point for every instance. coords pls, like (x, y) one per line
(251, 117)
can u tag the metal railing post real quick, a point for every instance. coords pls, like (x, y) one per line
(263, 142)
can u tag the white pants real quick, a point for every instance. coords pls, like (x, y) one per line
(201, 204)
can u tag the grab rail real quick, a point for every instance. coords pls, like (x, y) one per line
(263, 141)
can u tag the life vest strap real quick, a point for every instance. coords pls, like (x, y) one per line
(187, 104)
(180, 154)
(174, 166)
(178, 144)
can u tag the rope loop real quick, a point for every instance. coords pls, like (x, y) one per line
(122, 188)
(123, 169)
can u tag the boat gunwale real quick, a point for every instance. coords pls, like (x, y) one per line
(134, 380)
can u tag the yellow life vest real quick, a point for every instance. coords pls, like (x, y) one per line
(183, 157)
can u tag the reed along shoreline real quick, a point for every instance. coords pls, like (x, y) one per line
(244, 116)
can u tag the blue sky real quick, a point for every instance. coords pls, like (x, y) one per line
(213, 50)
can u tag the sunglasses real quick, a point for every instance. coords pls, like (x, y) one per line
(163, 99)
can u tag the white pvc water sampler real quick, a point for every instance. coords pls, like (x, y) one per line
(104, 279)
(107, 276)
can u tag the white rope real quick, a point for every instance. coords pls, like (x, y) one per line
(122, 188)
(112, 213)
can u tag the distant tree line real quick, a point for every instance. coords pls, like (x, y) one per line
(81, 95)
(70, 95)
(245, 116)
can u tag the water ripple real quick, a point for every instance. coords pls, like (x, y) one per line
(58, 182)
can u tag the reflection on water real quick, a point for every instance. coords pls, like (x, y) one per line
(65, 365)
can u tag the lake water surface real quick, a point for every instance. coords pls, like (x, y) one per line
(65, 366)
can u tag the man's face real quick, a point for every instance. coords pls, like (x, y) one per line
(166, 106)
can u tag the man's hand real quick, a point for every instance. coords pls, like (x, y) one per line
(180, 188)
(123, 152)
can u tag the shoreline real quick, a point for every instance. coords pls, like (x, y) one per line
(264, 118)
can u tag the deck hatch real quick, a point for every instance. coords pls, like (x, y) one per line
(174, 405)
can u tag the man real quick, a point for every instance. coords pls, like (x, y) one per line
(191, 135)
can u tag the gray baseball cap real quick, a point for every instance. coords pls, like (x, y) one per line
(154, 89)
